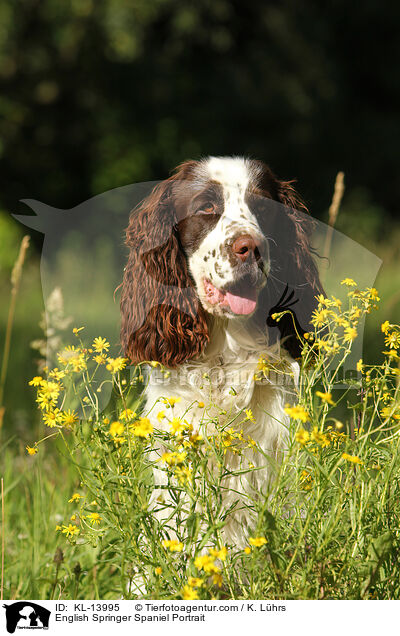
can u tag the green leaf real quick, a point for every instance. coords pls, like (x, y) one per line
(378, 550)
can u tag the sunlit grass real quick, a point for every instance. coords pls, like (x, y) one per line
(327, 527)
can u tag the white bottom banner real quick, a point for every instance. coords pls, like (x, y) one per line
(175, 617)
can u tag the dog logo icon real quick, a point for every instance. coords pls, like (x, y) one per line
(26, 615)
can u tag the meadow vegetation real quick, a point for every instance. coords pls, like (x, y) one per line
(77, 519)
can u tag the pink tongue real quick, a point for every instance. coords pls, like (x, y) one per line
(241, 305)
(238, 304)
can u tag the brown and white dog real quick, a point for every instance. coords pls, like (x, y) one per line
(214, 251)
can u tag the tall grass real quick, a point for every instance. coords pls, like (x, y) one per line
(75, 516)
(15, 284)
(327, 527)
(334, 212)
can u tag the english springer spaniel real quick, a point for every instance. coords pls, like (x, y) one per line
(214, 252)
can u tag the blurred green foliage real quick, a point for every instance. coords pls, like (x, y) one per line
(10, 236)
(97, 94)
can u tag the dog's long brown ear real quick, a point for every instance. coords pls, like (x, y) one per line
(298, 274)
(161, 316)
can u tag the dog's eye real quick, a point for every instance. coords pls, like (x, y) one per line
(208, 208)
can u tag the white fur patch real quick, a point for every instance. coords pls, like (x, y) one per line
(208, 262)
(230, 362)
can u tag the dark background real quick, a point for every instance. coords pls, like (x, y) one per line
(100, 94)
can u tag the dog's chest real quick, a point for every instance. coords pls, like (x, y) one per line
(223, 391)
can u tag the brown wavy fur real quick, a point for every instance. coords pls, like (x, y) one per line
(162, 318)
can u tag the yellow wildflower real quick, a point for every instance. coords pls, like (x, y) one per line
(116, 364)
(350, 334)
(355, 314)
(70, 530)
(158, 571)
(69, 418)
(392, 353)
(352, 458)
(160, 415)
(247, 550)
(306, 480)
(50, 389)
(101, 358)
(171, 401)
(201, 405)
(320, 438)
(206, 563)
(76, 330)
(385, 326)
(390, 411)
(218, 580)
(336, 302)
(219, 554)
(183, 474)
(75, 498)
(193, 439)
(177, 426)
(142, 428)
(257, 542)
(52, 418)
(262, 364)
(45, 403)
(360, 366)
(189, 594)
(127, 414)
(172, 459)
(56, 374)
(251, 442)
(172, 545)
(195, 581)
(349, 282)
(373, 293)
(319, 318)
(325, 397)
(297, 412)
(94, 518)
(36, 381)
(341, 321)
(322, 300)
(249, 415)
(116, 428)
(392, 340)
(100, 345)
(74, 357)
(302, 436)
(31, 450)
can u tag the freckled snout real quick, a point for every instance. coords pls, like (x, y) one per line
(245, 248)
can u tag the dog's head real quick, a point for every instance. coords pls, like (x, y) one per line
(222, 237)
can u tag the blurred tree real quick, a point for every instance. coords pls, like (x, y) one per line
(98, 94)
